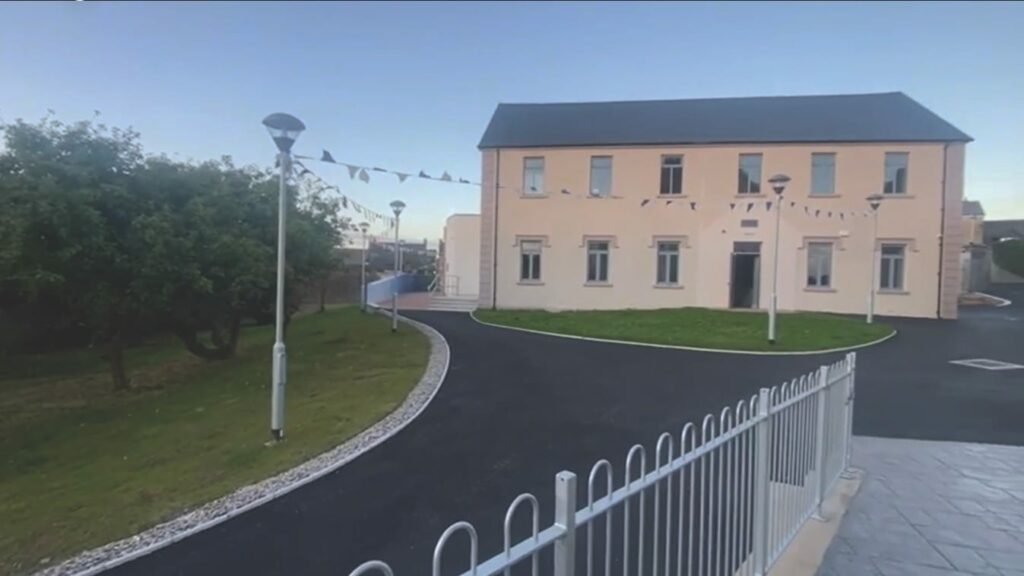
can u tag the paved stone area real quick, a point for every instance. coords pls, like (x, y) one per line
(932, 509)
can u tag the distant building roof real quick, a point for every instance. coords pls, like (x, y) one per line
(884, 117)
(972, 208)
(995, 230)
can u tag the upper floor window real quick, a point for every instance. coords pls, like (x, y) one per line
(601, 176)
(896, 172)
(750, 174)
(533, 176)
(819, 264)
(668, 263)
(597, 261)
(823, 174)
(671, 175)
(892, 265)
(529, 260)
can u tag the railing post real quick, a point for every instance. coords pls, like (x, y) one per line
(565, 517)
(850, 393)
(762, 442)
(819, 455)
(394, 311)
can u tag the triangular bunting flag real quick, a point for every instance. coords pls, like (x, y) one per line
(807, 210)
(668, 202)
(401, 176)
(464, 181)
(424, 174)
(829, 213)
(842, 216)
(693, 205)
(304, 171)
(750, 206)
(732, 205)
(344, 202)
(644, 203)
(446, 177)
(378, 169)
(792, 204)
(817, 213)
(326, 157)
(566, 192)
(364, 176)
(352, 171)
(768, 205)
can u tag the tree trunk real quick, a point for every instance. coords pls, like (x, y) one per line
(189, 336)
(115, 357)
(323, 294)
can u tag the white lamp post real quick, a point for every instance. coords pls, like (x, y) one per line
(284, 129)
(875, 200)
(363, 227)
(778, 183)
(397, 206)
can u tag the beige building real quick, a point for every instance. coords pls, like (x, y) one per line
(461, 259)
(662, 204)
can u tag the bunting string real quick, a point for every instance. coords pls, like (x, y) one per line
(347, 203)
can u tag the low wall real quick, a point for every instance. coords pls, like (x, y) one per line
(381, 290)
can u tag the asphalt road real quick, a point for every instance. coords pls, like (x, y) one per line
(517, 408)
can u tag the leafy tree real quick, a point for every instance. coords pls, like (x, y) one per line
(1009, 255)
(120, 245)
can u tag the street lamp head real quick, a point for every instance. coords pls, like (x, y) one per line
(778, 183)
(875, 200)
(284, 129)
(397, 206)
(364, 226)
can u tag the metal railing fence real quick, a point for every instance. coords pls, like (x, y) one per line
(727, 502)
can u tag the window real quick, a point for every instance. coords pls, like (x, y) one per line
(533, 176)
(601, 176)
(896, 172)
(893, 256)
(823, 174)
(748, 223)
(529, 260)
(671, 175)
(819, 264)
(750, 174)
(597, 261)
(668, 263)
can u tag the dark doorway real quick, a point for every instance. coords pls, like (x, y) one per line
(746, 275)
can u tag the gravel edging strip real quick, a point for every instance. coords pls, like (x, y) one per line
(248, 497)
(689, 348)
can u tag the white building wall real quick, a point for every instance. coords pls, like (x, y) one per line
(462, 255)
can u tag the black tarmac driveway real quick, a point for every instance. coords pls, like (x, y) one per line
(517, 408)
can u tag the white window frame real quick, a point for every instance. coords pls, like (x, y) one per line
(601, 272)
(611, 172)
(749, 191)
(534, 250)
(662, 252)
(530, 184)
(676, 174)
(818, 273)
(885, 261)
(832, 183)
(895, 179)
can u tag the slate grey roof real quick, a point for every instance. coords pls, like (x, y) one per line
(884, 117)
(997, 229)
(972, 208)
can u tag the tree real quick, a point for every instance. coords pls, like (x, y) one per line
(122, 245)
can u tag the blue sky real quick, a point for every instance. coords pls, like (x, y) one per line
(411, 86)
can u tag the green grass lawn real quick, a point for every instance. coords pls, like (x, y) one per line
(82, 466)
(699, 327)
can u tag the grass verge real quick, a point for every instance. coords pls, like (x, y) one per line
(698, 327)
(83, 466)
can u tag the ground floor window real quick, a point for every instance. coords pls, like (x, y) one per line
(819, 264)
(529, 260)
(893, 257)
(668, 263)
(597, 261)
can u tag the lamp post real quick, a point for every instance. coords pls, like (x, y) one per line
(284, 129)
(875, 200)
(778, 183)
(397, 206)
(363, 227)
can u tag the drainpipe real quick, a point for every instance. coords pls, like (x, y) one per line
(494, 259)
(942, 228)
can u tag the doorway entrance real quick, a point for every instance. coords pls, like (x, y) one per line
(746, 275)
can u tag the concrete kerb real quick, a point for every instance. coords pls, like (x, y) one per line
(1002, 301)
(252, 496)
(689, 348)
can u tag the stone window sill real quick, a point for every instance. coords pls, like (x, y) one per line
(597, 284)
(532, 196)
(668, 286)
(823, 196)
(818, 289)
(894, 292)
(530, 283)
